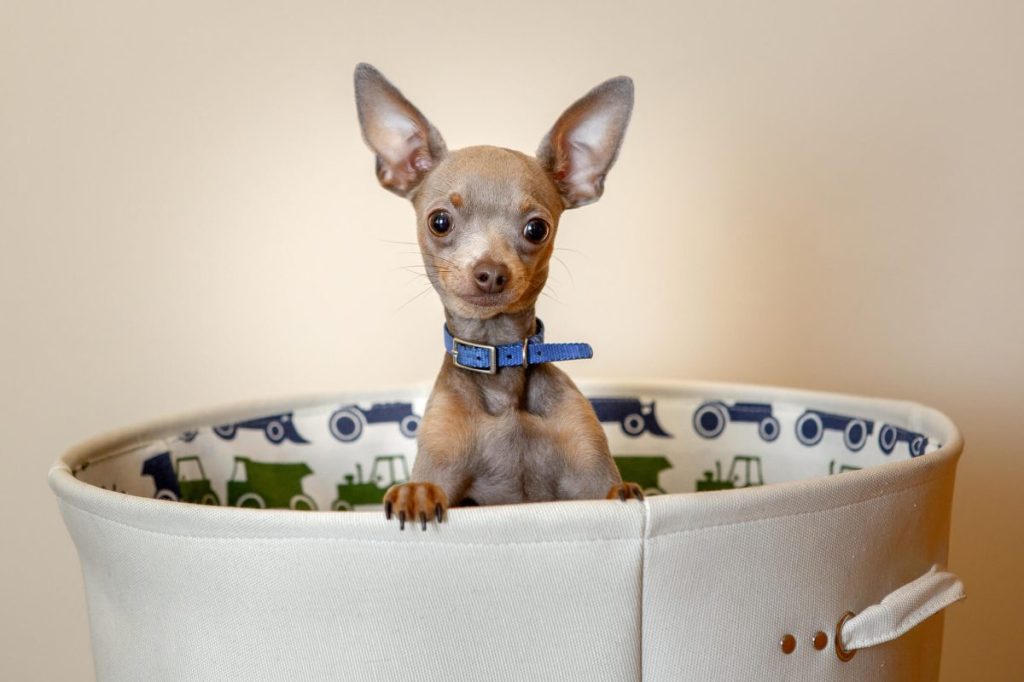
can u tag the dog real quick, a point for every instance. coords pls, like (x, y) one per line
(502, 425)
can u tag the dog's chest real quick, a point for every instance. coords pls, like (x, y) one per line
(518, 459)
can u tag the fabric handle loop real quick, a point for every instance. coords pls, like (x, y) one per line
(903, 609)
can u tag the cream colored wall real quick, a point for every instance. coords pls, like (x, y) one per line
(809, 195)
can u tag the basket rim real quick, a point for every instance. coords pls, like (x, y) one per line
(598, 520)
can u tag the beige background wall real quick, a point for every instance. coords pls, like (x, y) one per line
(824, 195)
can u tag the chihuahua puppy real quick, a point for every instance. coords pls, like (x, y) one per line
(502, 424)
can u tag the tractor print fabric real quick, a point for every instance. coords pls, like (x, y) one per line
(344, 455)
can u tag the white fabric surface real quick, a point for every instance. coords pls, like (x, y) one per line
(682, 587)
(723, 582)
(528, 604)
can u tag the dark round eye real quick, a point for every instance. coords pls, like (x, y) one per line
(536, 231)
(440, 223)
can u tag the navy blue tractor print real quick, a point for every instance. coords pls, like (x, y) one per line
(812, 424)
(889, 436)
(632, 415)
(347, 422)
(710, 418)
(161, 468)
(277, 428)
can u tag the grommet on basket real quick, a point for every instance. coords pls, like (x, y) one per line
(842, 653)
(788, 644)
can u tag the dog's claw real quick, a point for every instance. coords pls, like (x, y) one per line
(625, 492)
(415, 502)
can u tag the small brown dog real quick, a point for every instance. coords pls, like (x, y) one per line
(501, 425)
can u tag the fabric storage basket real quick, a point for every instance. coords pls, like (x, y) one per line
(210, 549)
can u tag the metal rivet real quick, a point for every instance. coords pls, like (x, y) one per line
(788, 644)
(842, 653)
(820, 640)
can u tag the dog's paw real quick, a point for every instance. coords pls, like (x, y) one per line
(415, 501)
(625, 491)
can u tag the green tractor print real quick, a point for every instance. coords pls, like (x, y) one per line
(843, 468)
(356, 492)
(744, 473)
(184, 481)
(193, 483)
(643, 470)
(264, 485)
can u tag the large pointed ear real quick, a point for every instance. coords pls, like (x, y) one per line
(405, 143)
(582, 146)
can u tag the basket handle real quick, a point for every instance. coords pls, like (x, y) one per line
(899, 612)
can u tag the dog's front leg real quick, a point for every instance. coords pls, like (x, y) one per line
(440, 474)
(590, 473)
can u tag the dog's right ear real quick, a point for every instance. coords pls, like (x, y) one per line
(405, 143)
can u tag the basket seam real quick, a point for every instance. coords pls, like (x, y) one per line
(272, 538)
(643, 582)
(748, 522)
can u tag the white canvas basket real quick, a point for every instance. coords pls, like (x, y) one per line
(820, 528)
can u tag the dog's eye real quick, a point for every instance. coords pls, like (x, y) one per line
(536, 231)
(440, 223)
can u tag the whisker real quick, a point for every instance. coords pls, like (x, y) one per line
(393, 241)
(421, 265)
(417, 278)
(433, 256)
(413, 298)
(562, 263)
(446, 261)
(421, 269)
(420, 276)
(553, 298)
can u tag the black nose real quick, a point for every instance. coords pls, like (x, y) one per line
(490, 277)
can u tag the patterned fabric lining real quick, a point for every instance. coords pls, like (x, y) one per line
(344, 456)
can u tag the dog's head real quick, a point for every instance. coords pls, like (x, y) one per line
(486, 216)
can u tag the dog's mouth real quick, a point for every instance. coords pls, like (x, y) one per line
(480, 304)
(486, 300)
(461, 294)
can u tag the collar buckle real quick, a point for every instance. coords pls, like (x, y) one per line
(492, 353)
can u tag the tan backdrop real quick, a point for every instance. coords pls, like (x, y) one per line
(809, 195)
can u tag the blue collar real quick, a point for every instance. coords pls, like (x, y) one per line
(480, 357)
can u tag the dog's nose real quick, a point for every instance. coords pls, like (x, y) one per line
(490, 277)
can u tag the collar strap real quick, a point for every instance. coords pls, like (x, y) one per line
(480, 357)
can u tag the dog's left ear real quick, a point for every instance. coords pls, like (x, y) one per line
(584, 142)
(406, 144)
